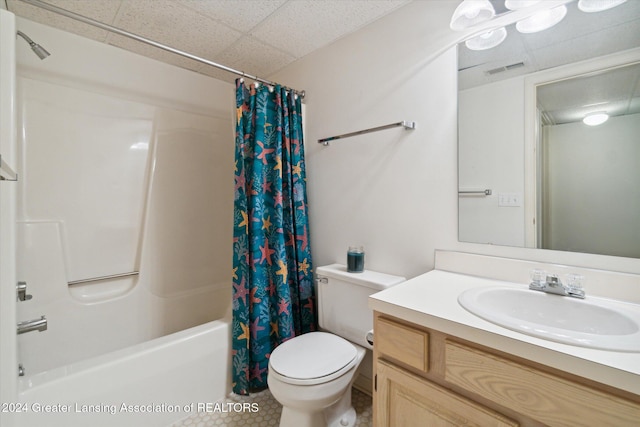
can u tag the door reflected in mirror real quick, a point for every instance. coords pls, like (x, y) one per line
(590, 174)
(556, 182)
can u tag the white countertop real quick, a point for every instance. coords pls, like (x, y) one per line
(430, 300)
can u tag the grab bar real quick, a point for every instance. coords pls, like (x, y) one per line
(97, 279)
(6, 173)
(39, 325)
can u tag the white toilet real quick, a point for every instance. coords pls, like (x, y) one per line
(311, 375)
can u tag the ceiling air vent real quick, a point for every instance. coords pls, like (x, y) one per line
(505, 68)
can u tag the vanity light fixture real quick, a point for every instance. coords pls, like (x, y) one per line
(595, 119)
(488, 40)
(598, 5)
(470, 13)
(542, 20)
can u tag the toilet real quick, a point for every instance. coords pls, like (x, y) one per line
(311, 375)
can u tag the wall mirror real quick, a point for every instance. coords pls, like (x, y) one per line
(530, 172)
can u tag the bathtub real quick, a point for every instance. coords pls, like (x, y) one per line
(154, 383)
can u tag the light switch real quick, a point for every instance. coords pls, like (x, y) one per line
(510, 199)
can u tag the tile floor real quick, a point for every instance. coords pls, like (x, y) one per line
(261, 410)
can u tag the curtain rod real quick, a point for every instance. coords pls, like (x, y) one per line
(112, 29)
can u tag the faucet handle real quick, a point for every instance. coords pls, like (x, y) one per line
(575, 287)
(21, 290)
(538, 279)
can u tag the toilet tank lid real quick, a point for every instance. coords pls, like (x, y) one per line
(368, 278)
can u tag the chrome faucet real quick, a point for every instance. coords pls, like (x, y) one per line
(551, 284)
(39, 325)
(21, 290)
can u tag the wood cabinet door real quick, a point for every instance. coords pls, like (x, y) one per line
(407, 400)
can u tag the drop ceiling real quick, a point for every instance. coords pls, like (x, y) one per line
(258, 37)
(261, 37)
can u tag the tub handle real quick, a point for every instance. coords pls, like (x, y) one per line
(21, 290)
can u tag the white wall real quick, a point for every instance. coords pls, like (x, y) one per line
(395, 192)
(491, 156)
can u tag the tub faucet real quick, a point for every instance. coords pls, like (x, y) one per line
(21, 290)
(39, 325)
(551, 284)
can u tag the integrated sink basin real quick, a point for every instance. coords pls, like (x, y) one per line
(593, 322)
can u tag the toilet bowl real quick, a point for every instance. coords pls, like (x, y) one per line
(311, 376)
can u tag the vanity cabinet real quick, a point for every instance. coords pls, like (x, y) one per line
(424, 377)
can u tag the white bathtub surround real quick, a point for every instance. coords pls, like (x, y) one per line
(8, 345)
(108, 143)
(117, 154)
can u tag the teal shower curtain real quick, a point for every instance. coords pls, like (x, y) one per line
(273, 294)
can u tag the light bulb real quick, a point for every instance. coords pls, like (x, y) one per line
(470, 13)
(487, 40)
(598, 5)
(595, 119)
(519, 4)
(542, 20)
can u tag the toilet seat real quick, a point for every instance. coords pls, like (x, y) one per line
(312, 358)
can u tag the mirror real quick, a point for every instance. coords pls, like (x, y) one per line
(522, 139)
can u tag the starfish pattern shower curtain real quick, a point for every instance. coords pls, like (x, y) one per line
(273, 294)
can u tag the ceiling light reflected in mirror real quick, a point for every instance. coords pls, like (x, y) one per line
(595, 119)
(598, 5)
(542, 20)
(487, 40)
(470, 13)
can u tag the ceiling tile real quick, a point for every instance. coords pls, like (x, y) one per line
(316, 23)
(240, 15)
(254, 57)
(167, 57)
(100, 10)
(259, 36)
(216, 73)
(150, 51)
(176, 26)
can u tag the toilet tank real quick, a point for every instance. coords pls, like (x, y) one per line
(343, 300)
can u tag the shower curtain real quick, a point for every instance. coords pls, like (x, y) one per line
(273, 294)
